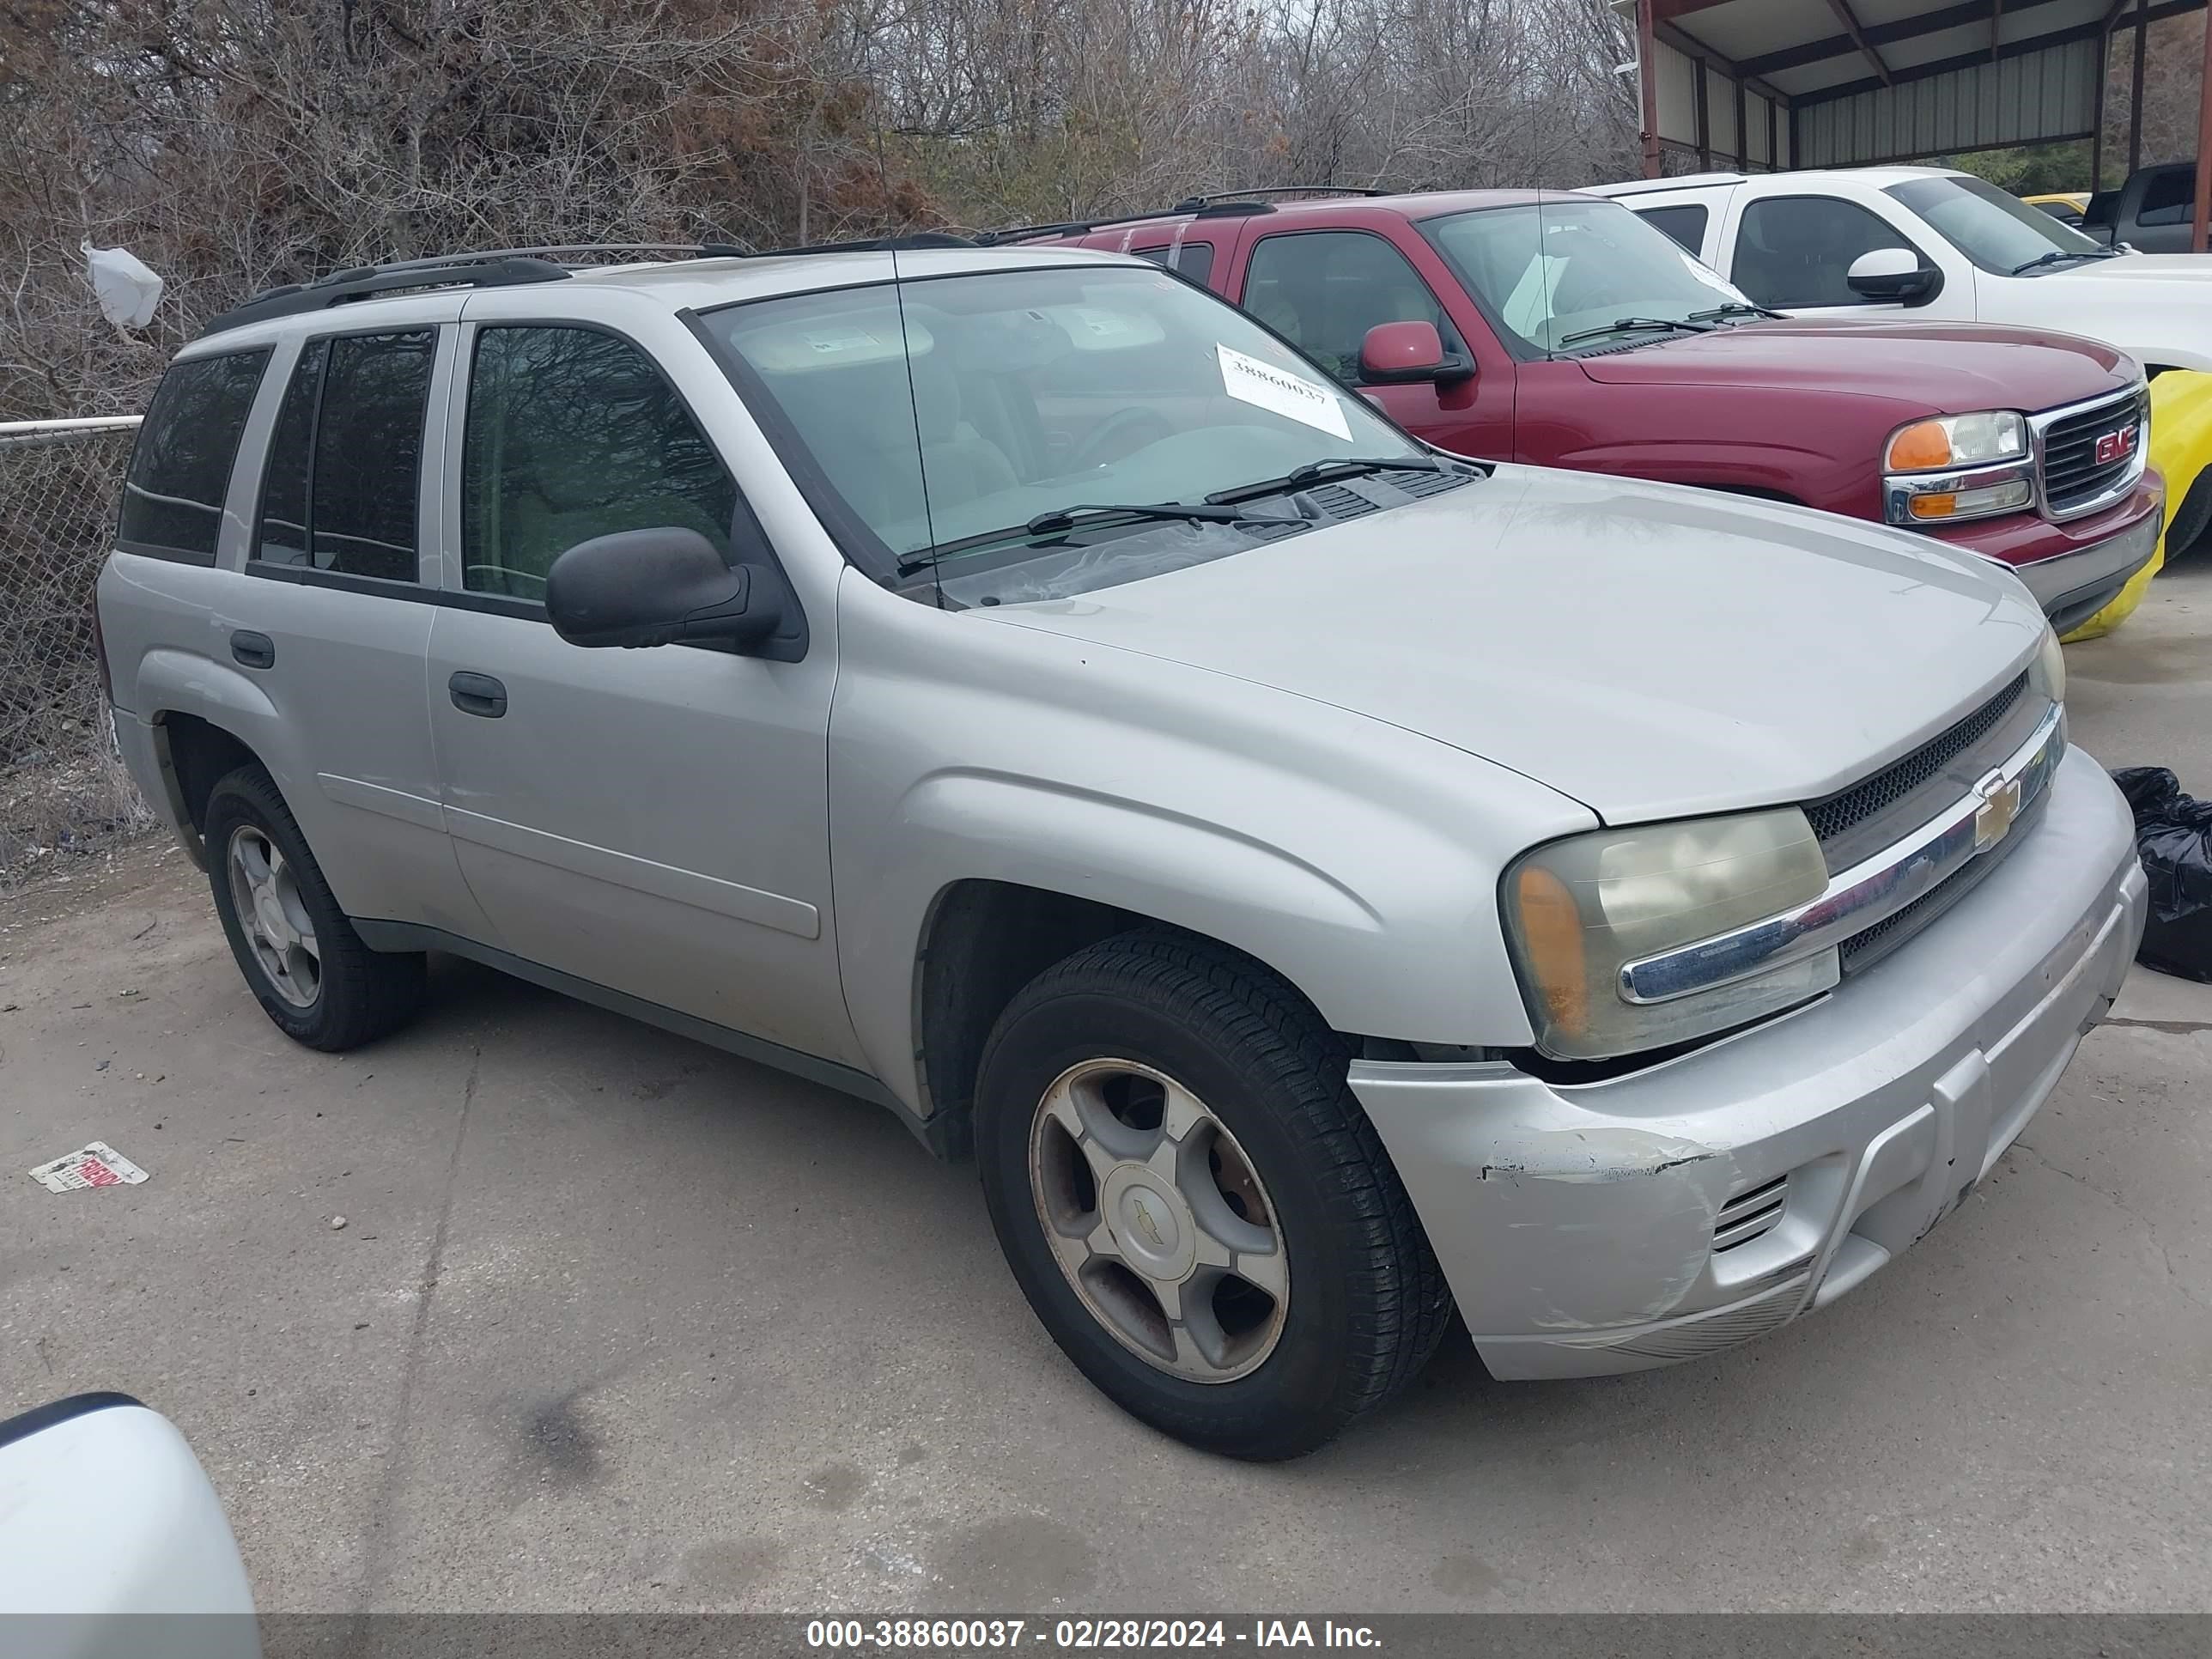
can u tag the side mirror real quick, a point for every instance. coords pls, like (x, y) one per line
(640, 587)
(1892, 273)
(1398, 353)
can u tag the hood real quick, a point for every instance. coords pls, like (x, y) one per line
(1940, 367)
(2130, 269)
(1651, 651)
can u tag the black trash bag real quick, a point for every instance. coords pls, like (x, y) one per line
(2173, 838)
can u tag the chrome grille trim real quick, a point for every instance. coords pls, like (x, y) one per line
(2069, 486)
(1854, 822)
(1863, 895)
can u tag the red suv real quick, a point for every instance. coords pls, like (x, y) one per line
(1562, 330)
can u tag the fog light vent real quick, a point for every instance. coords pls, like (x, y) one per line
(1750, 1215)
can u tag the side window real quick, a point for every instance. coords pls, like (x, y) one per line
(1685, 223)
(1796, 250)
(1323, 290)
(282, 537)
(572, 433)
(345, 461)
(181, 470)
(1193, 259)
(2169, 196)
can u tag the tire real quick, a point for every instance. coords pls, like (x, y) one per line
(1145, 1028)
(2189, 519)
(331, 991)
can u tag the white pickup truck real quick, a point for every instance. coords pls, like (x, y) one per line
(1934, 243)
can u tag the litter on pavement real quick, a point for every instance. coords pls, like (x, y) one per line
(95, 1163)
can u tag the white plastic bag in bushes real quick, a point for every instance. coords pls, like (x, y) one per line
(128, 291)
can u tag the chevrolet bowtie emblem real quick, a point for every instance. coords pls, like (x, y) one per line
(2000, 806)
(1145, 1225)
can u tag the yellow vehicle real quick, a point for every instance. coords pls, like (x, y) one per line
(2181, 450)
(2067, 206)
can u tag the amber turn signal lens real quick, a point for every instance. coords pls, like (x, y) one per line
(1934, 507)
(1552, 932)
(1920, 446)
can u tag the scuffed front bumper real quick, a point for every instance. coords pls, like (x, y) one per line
(1575, 1223)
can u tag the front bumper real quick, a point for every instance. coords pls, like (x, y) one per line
(1576, 1223)
(2073, 569)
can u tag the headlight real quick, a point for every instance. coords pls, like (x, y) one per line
(1580, 910)
(2050, 666)
(1957, 467)
(1955, 440)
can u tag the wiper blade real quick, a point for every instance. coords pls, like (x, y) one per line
(1081, 513)
(1733, 308)
(1314, 473)
(2060, 255)
(1622, 324)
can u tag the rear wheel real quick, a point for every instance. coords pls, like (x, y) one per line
(1194, 1204)
(300, 957)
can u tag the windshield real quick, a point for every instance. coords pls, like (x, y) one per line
(1547, 271)
(1997, 232)
(945, 415)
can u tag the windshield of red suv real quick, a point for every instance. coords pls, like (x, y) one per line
(956, 421)
(1557, 269)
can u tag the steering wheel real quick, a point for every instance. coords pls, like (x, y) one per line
(1123, 432)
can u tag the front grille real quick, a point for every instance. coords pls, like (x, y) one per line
(1872, 812)
(2072, 476)
(1863, 949)
(1750, 1215)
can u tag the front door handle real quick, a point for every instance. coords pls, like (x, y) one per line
(252, 650)
(478, 694)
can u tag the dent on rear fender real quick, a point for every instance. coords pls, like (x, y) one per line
(1617, 1222)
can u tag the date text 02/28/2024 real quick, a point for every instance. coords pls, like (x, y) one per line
(1081, 1635)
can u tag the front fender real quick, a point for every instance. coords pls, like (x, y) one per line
(1359, 860)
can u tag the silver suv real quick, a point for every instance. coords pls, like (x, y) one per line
(1322, 881)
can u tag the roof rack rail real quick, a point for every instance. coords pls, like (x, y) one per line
(911, 239)
(1218, 204)
(499, 267)
(366, 282)
(1292, 190)
(483, 256)
(1192, 207)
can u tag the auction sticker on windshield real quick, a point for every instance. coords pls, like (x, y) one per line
(1281, 393)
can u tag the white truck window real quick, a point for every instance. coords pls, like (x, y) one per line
(1793, 251)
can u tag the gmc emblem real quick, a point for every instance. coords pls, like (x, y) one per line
(2116, 445)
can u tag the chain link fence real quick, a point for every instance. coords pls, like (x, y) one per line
(62, 788)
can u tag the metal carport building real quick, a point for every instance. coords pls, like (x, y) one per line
(1762, 85)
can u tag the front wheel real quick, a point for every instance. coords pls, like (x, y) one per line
(1194, 1203)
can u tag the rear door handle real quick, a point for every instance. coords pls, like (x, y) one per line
(252, 650)
(478, 694)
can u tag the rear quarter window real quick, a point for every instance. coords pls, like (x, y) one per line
(1193, 259)
(1685, 223)
(173, 495)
